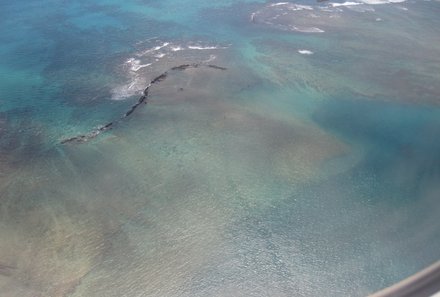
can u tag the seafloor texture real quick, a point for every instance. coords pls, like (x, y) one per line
(310, 166)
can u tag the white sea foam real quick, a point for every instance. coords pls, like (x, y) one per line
(292, 6)
(198, 47)
(153, 49)
(356, 6)
(135, 64)
(381, 1)
(289, 16)
(156, 51)
(176, 48)
(278, 4)
(360, 2)
(165, 44)
(348, 3)
(130, 86)
(296, 7)
(289, 6)
(131, 89)
(305, 52)
(140, 66)
(210, 59)
(308, 29)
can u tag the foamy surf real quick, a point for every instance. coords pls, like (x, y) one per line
(196, 47)
(135, 64)
(158, 50)
(318, 18)
(362, 2)
(177, 48)
(381, 1)
(305, 52)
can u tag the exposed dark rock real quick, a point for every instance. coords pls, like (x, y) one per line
(106, 127)
(133, 108)
(142, 99)
(181, 67)
(77, 139)
(217, 67)
(159, 78)
(146, 90)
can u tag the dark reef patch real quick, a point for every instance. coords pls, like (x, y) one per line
(216, 67)
(6, 270)
(159, 78)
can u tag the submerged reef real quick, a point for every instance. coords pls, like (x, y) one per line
(6, 270)
(143, 99)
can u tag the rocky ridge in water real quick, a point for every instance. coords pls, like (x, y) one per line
(143, 99)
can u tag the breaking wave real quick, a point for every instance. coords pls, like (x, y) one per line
(151, 54)
(289, 16)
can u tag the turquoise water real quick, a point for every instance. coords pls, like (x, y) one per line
(309, 167)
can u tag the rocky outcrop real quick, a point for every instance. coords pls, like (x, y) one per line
(216, 67)
(159, 78)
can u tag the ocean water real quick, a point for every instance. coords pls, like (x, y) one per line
(297, 152)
